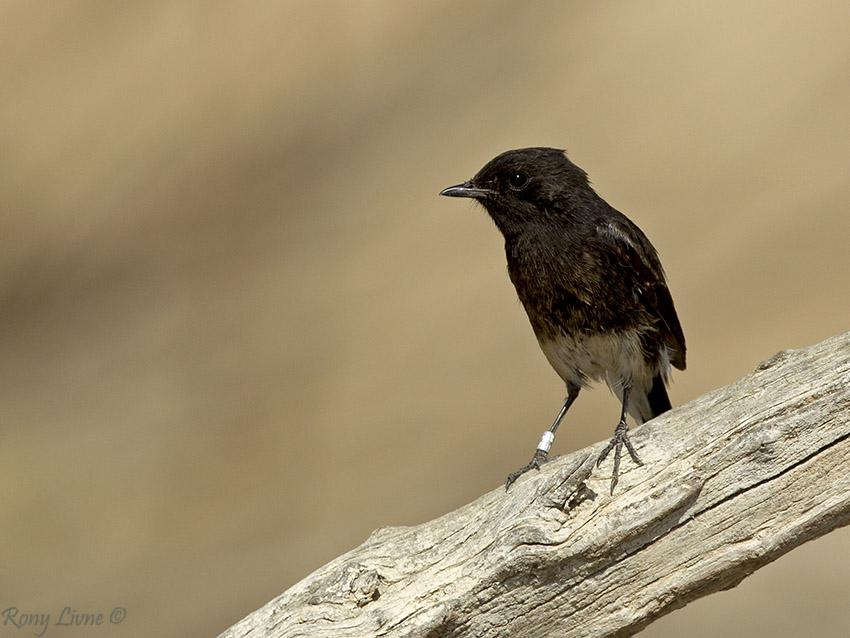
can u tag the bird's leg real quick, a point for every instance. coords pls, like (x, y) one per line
(541, 454)
(620, 438)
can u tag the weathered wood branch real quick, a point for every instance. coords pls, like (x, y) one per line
(731, 481)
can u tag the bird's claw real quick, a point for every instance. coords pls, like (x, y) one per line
(539, 458)
(620, 439)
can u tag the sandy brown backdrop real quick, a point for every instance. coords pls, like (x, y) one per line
(239, 330)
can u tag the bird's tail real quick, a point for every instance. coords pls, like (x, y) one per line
(659, 402)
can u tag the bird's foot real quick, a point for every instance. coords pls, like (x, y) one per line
(539, 458)
(620, 438)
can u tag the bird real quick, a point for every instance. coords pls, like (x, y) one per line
(591, 284)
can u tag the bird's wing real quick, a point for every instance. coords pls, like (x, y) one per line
(652, 287)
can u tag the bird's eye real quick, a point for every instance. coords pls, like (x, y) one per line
(517, 180)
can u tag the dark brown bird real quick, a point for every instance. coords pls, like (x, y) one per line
(591, 284)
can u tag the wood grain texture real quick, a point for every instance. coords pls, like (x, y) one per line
(730, 482)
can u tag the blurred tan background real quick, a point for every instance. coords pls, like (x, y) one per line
(239, 330)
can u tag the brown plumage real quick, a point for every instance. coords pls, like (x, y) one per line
(590, 281)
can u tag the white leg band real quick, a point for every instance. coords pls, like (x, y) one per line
(546, 441)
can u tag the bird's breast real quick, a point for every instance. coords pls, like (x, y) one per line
(552, 294)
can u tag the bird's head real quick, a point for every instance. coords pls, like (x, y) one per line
(524, 185)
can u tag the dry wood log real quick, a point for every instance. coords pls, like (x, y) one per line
(730, 482)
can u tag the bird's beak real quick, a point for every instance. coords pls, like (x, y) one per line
(466, 190)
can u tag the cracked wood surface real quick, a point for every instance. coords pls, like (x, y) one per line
(730, 482)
